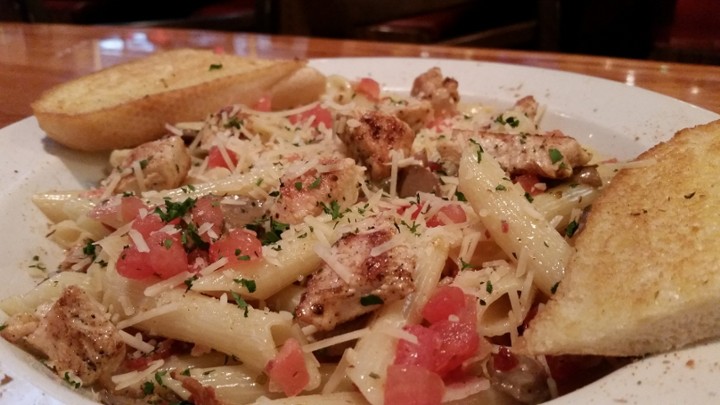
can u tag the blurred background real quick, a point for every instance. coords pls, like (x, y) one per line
(670, 30)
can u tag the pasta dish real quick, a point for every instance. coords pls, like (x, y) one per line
(371, 247)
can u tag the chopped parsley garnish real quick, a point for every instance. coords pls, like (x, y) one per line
(554, 288)
(489, 287)
(215, 66)
(413, 229)
(148, 388)
(240, 256)
(500, 187)
(159, 376)
(189, 282)
(37, 264)
(3, 326)
(370, 299)
(89, 250)
(175, 210)
(240, 302)
(480, 150)
(268, 234)
(315, 183)
(460, 196)
(144, 163)
(186, 372)
(333, 209)
(167, 243)
(571, 228)
(190, 237)
(529, 197)
(555, 155)
(465, 265)
(512, 121)
(234, 122)
(249, 284)
(298, 185)
(70, 381)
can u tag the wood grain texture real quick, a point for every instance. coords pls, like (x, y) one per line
(34, 57)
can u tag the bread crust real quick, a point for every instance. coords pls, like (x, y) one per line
(645, 277)
(129, 104)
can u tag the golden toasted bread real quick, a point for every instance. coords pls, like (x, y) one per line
(646, 274)
(129, 104)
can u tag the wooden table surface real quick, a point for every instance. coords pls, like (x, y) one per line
(33, 58)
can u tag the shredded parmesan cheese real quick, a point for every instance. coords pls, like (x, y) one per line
(136, 342)
(167, 284)
(139, 241)
(123, 381)
(149, 314)
(335, 340)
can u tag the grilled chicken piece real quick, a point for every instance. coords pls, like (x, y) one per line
(77, 336)
(329, 300)
(552, 155)
(332, 183)
(442, 92)
(371, 136)
(418, 114)
(164, 163)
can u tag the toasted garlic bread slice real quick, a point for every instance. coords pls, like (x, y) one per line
(129, 104)
(646, 274)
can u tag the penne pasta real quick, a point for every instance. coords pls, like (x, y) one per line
(245, 333)
(511, 219)
(311, 256)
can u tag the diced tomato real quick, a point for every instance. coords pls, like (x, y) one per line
(369, 88)
(148, 224)
(207, 210)
(420, 354)
(416, 211)
(528, 182)
(288, 369)
(504, 226)
(166, 257)
(453, 212)
(216, 159)
(319, 114)
(445, 301)
(263, 104)
(459, 342)
(239, 246)
(413, 385)
(117, 215)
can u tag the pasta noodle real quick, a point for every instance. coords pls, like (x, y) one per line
(511, 219)
(282, 271)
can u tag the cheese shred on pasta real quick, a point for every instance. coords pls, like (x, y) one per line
(282, 251)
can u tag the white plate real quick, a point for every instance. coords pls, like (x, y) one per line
(613, 118)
